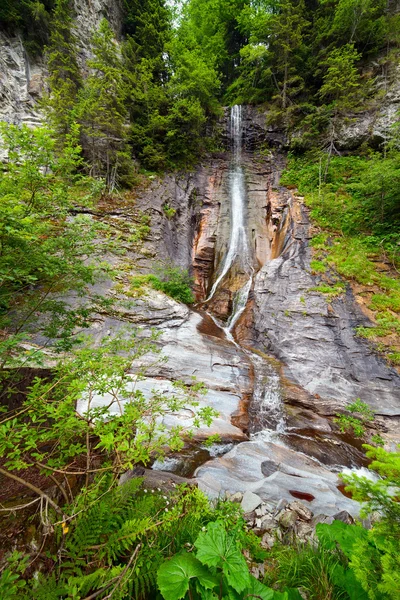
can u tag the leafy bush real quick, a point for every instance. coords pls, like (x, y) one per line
(173, 281)
(217, 570)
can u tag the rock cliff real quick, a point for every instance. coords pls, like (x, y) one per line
(22, 77)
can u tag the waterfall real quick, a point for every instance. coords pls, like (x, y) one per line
(239, 253)
(267, 400)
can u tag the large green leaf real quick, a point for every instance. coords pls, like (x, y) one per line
(174, 575)
(256, 588)
(346, 579)
(215, 548)
(340, 533)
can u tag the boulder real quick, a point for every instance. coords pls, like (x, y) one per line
(250, 502)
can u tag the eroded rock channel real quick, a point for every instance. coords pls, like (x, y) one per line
(277, 359)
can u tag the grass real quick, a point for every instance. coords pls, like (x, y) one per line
(306, 567)
(173, 281)
(317, 266)
(331, 291)
(169, 211)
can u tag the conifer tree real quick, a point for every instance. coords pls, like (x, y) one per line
(147, 25)
(64, 74)
(101, 110)
(286, 45)
(340, 87)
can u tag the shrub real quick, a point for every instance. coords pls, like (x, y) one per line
(173, 281)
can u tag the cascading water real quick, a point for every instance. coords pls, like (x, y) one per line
(239, 252)
(267, 400)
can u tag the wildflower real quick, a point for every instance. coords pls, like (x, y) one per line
(166, 509)
(145, 491)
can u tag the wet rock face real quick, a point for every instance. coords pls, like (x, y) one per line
(315, 340)
(272, 472)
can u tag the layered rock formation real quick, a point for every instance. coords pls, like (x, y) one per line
(23, 77)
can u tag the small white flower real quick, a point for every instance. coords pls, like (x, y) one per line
(167, 503)
(166, 509)
(203, 528)
(159, 489)
(165, 497)
(145, 491)
(152, 491)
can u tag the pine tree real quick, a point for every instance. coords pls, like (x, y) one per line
(64, 74)
(286, 45)
(340, 87)
(102, 112)
(147, 25)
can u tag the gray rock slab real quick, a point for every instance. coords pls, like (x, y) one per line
(250, 502)
(240, 470)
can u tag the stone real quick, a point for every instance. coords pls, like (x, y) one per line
(281, 504)
(317, 345)
(304, 531)
(303, 512)
(268, 540)
(164, 481)
(268, 523)
(321, 519)
(343, 516)
(287, 519)
(35, 85)
(240, 470)
(262, 510)
(237, 497)
(250, 502)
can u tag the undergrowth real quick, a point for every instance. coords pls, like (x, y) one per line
(357, 211)
(171, 280)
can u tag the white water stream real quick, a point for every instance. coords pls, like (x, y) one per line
(267, 397)
(239, 252)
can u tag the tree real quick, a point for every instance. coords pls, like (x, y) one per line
(359, 22)
(287, 45)
(32, 17)
(340, 87)
(43, 252)
(64, 74)
(102, 113)
(147, 25)
(373, 554)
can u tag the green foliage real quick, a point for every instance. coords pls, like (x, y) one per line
(11, 582)
(372, 555)
(356, 424)
(64, 75)
(101, 110)
(43, 250)
(169, 211)
(124, 430)
(33, 17)
(173, 281)
(341, 80)
(217, 570)
(317, 266)
(313, 569)
(358, 210)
